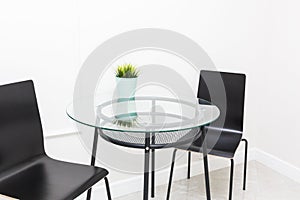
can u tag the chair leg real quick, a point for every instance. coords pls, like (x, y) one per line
(205, 163)
(231, 178)
(107, 188)
(245, 163)
(93, 158)
(88, 196)
(189, 165)
(171, 174)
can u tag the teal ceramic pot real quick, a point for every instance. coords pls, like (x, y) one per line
(126, 109)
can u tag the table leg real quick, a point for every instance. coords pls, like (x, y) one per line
(153, 168)
(205, 161)
(153, 156)
(93, 158)
(146, 166)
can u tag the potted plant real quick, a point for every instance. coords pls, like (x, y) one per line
(126, 78)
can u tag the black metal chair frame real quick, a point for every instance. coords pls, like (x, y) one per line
(93, 162)
(231, 168)
(203, 140)
(205, 162)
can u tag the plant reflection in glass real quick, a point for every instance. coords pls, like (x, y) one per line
(126, 77)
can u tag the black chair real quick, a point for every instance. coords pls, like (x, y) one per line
(227, 92)
(26, 172)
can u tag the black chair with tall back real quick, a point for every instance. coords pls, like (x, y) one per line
(26, 172)
(227, 92)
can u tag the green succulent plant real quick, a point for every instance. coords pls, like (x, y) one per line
(127, 71)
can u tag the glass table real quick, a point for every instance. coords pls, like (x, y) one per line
(146, 123)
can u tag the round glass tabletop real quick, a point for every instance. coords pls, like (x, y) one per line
(145, 114)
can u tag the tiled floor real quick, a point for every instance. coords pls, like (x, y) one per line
(263, 184)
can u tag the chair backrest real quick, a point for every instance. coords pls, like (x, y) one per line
(21, 136)
(227, 91)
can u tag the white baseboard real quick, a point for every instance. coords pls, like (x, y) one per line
(135, 184)
(124, 187)
(278, 165)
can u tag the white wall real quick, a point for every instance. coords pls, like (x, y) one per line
(48, 41)
(278, 115)
(38, 41)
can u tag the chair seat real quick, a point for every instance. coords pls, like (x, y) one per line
(223, 145)
(49, 179)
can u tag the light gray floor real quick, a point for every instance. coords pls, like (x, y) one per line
(263, 184)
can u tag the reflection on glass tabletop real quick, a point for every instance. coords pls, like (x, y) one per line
(142, 114)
